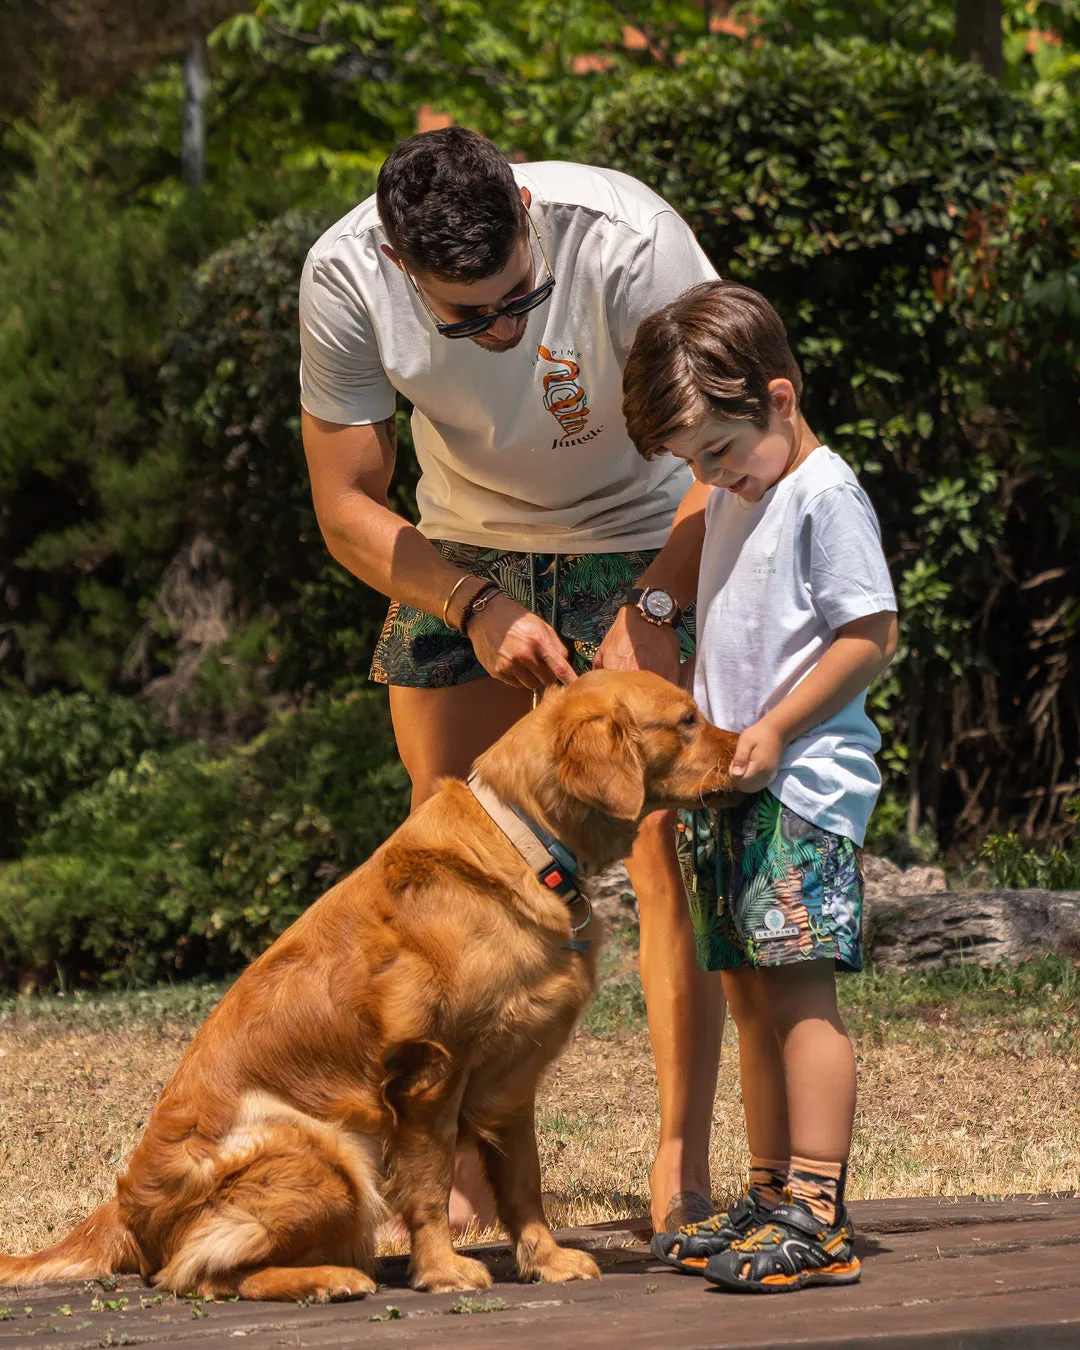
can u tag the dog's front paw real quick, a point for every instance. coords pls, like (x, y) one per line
(453, 1273)
(560, 1264)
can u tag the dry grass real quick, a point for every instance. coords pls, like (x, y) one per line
(968, 1085)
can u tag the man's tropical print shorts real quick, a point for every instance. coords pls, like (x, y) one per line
(579, 594)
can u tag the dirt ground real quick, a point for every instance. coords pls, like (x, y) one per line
(968, 1085)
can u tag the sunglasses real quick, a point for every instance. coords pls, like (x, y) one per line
(513, 309)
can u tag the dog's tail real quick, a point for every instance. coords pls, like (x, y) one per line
(101, 1245)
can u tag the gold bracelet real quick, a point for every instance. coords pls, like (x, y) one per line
(469, 576)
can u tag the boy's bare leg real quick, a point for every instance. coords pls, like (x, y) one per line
(686, 1018)
(761, 1067)
(818, 1059)
(441, 732)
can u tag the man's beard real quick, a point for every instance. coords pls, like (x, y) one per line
(489, 344)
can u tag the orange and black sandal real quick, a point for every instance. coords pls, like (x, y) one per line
(689, 1248)
(790, 1249)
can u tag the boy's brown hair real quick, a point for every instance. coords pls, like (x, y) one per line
(709, 353)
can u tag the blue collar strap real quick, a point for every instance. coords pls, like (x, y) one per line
(555, 866)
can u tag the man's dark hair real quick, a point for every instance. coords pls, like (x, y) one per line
(449, 205)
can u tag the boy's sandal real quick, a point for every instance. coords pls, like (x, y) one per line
(689, 1247)
(792, 1248)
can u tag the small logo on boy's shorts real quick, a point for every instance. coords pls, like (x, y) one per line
(775, 926)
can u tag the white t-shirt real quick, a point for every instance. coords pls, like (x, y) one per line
(778, 578)
(525, 449)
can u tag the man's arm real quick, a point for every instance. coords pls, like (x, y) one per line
(350, 469)
(858, 654)
(632, 642)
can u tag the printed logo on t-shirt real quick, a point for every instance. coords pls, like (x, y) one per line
(768, 569)
(565, 397)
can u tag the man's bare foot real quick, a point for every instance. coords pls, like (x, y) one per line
(471, 1201)
(677, 1187)
(472, 1205)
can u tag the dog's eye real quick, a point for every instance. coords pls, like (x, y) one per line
(689, 720)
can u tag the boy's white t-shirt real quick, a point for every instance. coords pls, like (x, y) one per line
(525, 449)
(778, 578)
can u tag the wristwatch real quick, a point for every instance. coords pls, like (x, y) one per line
(654, 604)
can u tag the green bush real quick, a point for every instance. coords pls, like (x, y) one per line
(232, 404)
(84, 281)
(852, 185)
(1015, 866)
(95, 495)
(57, 744)
(190, 863)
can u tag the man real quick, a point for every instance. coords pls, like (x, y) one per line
(503, 303)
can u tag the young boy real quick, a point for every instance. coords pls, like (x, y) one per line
(796, 616)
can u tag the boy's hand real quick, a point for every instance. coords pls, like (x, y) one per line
(757, 756)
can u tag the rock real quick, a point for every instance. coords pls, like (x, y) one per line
(614, 900)
(885, 879)
(921, 932)
(612, 896)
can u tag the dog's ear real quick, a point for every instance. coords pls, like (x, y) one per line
(600, 764)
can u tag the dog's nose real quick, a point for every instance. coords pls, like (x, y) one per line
(722, 748)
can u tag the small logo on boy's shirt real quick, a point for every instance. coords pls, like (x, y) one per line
(768, 568)
(775, 926)
(565, 397)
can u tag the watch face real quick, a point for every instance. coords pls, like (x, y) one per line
(659, 604)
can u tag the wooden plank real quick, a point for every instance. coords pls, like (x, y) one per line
(613, 1312)
(968, 1239)
(938, 1273)
(916, 1214)
(696, 1317)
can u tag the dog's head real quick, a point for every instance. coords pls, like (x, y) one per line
(600, 754)
(628, 742)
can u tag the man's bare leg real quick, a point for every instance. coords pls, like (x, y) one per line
(686, 1018)
(439, 733)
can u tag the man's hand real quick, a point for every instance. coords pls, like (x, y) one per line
(757, 757)
(517, 646)
(633, 643)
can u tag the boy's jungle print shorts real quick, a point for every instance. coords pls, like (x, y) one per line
(579, 594)
(767, 888)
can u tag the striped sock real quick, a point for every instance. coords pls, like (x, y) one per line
(768, 1177)
(819, 1186)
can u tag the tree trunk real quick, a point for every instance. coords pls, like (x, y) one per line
(193, 140)
(978, 34)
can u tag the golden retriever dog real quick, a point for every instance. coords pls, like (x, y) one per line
(415, 1004)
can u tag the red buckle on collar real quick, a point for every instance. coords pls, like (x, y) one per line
(553, 878)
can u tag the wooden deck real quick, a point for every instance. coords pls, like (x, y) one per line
(937, 1273)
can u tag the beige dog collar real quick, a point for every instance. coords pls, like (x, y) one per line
(540, 850)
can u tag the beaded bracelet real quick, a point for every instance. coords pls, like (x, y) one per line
(482, 597)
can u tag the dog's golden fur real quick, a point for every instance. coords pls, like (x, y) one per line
(416, 1002)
